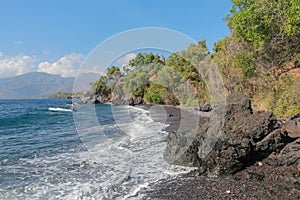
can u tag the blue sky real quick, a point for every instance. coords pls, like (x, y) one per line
(48, 34)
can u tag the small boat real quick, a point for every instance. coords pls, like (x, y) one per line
(57, 109)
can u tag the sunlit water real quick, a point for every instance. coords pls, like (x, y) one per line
(43, 155)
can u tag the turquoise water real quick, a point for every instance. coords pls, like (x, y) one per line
(98, 152)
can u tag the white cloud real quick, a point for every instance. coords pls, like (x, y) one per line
(16, 65)
(21, 64)
(125, 59)
(66, 66)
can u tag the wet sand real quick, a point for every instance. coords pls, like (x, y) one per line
(176, 119)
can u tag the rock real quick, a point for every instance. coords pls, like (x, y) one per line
(290, 154)
(292, 127)
(121, 101)
(131, 102)
(91, 99)
(205, 107)
(234, 138)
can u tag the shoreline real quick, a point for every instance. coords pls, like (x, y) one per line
(178, 119)
(262, 180)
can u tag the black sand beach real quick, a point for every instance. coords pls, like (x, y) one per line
(177, 119)
(259, 181)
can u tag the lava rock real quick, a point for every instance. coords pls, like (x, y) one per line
(91, 99)
(231, 140)
(122, 101)
(292, 127)
(205, 107)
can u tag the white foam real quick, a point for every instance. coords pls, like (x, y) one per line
(113, 169)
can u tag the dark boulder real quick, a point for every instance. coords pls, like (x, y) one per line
(206, 107)
(91, 99)
(232, 139)
(290, 154)
(292, 126)
(122, 101)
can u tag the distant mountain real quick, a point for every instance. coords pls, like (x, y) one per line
(39, 84)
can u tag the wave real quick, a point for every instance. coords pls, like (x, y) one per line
(57, 109)
(120, 159)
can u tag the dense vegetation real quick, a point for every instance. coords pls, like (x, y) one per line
(155, 79)
(262, 54)
(261, 57)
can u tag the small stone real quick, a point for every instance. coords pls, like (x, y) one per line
(260, 163)
(228, 191)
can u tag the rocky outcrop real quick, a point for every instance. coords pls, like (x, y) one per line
(232, 139)
(91, 99)
(290, 154)
(121, 101)
(205, 107)
(292, 126)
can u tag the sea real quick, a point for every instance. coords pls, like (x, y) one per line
(97, 152)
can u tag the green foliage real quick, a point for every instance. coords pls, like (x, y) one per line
(182, 66)
(243, 61)
(113, 73)
(196, 53)
(145, 59)
(138, 61)
(271, 29)
(256, 21)
(262, 48)
(135, 82)
(178, 85)
(100, 86)
(234, 59)
(159, 94)
(287, 98)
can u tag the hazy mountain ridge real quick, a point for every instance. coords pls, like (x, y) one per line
(40, 84)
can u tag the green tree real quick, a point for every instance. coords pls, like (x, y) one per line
(271, 28)
(100, 86)
(113, 73)
(135, 83)
(236, 64)
(138, 61)
(160, 94)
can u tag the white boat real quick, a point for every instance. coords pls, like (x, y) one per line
(57, 109)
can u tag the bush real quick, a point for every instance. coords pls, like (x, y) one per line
(160, 95)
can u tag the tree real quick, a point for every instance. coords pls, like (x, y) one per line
(138, 61)
(235, 62)
(271, 28)
(135, 83)
(149, 58)
(113, 73)
(100, 86)
(160, 94)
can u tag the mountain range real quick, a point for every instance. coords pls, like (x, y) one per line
(42, 85)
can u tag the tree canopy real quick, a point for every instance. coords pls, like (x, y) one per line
(259, 58)
(271, 30)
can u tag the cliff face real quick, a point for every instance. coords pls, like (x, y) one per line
(232, 139)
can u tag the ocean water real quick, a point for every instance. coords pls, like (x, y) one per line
(97, 152)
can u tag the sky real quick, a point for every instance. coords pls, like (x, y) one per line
(55, 36)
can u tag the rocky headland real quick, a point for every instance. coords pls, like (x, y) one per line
(239, 154)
